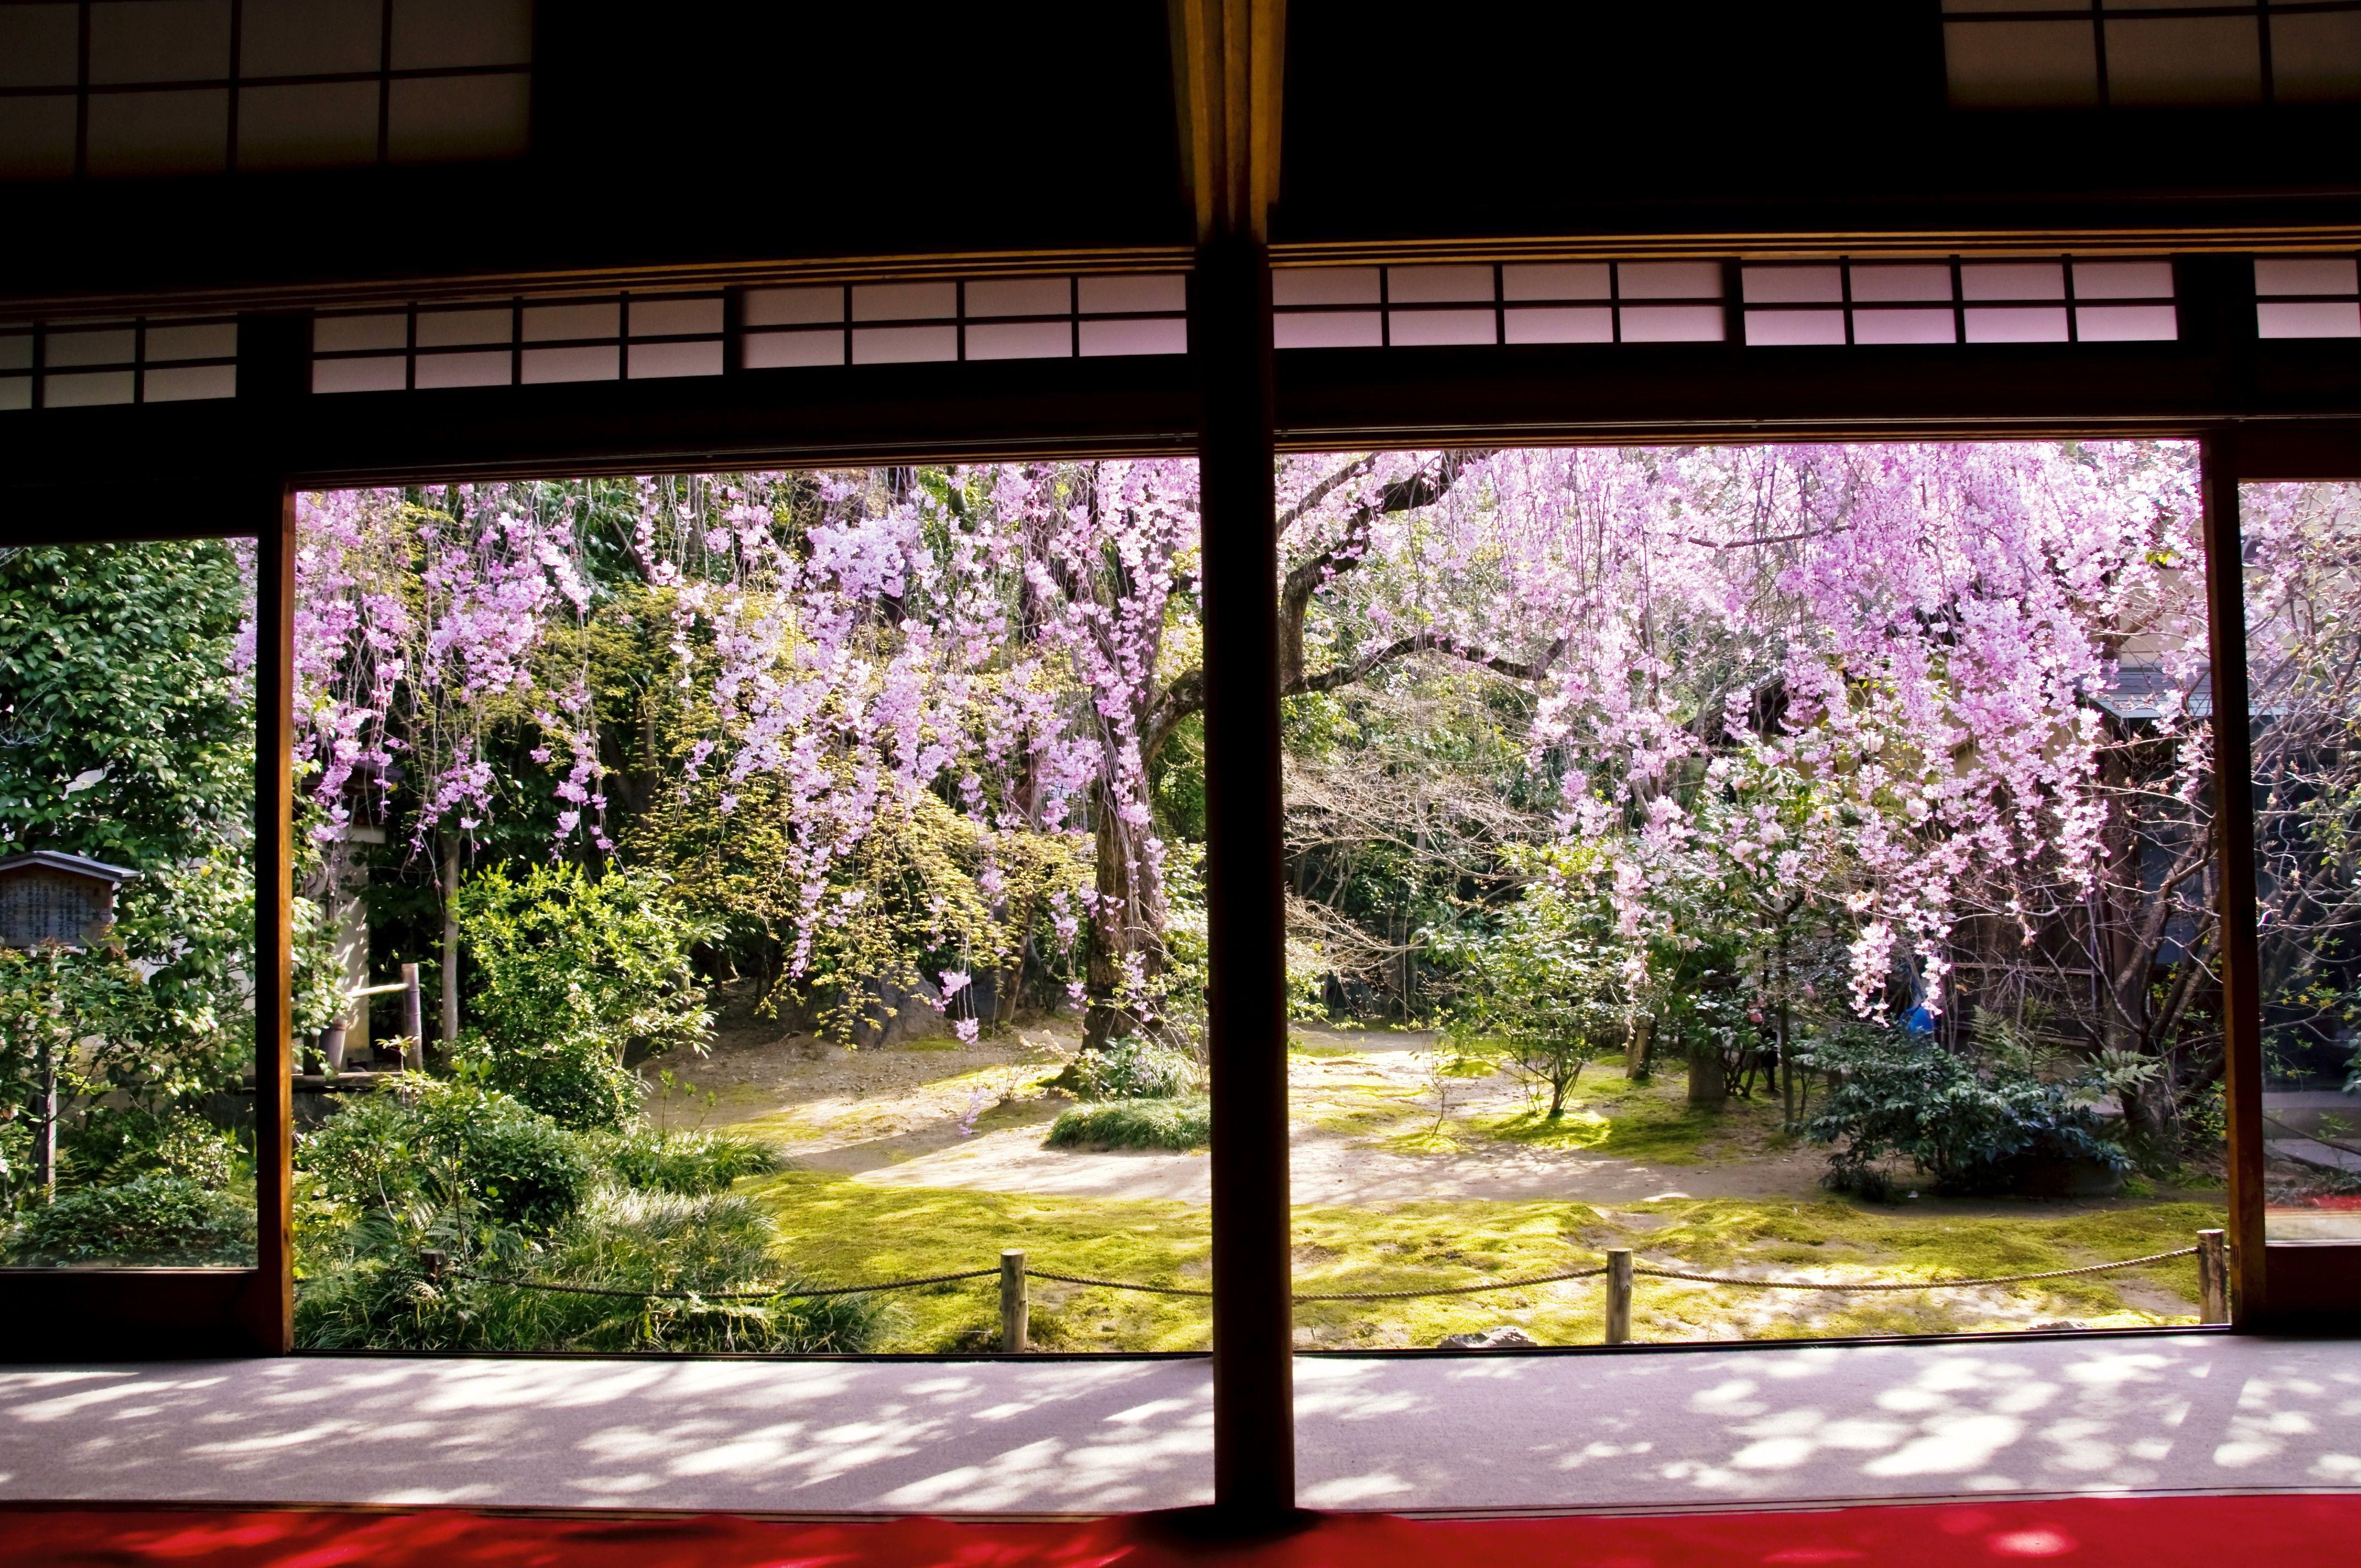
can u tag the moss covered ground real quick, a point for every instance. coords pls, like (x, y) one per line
(837, 1230)
(1460, 1103)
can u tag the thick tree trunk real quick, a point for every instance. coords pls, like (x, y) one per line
(1127, 934)
(1638, 1054)
(450, 986)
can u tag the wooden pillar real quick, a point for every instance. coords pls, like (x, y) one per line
(2234, 796)
(274, 379)
(1226, 58)
(1254, 1389)
(271, 1304)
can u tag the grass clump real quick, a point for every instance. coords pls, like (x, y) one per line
(376, 1291)
(688, 1162)
(1130, 1068)
(1135, 1124)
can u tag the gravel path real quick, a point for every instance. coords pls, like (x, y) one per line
(1324, 1168)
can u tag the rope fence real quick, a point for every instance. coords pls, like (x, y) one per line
(1457, 1290)
(1914, 1283)
(1620, 1269)
(439, 1267)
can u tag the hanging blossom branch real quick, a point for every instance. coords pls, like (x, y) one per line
(1918, 629)
(417, 626)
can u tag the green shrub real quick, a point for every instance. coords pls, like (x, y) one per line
(582, 1088)
(449, 1142)
(650, 1159)
(153, 1219)
(110, 1145)
(1550, 990)
(1969, 1127)
(16, 1160)
(1132, 1068)
(524, 1170)
(377, 1294)
(196, 1150)
(360, 1157)
(573, 969)
(1135, 1124)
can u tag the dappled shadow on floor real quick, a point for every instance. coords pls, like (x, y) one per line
(2166, 1412)
(1040, 1436)
(1710, 1428)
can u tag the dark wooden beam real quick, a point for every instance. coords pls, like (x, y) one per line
(118, 1314)
(1254, 1398)
(2233, 769)
(1228, 72)
(1350, 399)
(2287, 398)
(861, 415)
(1227, 80)
(2315, 1287)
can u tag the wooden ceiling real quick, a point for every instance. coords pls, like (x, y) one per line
(692, 137)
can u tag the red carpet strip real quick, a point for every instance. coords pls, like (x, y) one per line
(2245, 1531)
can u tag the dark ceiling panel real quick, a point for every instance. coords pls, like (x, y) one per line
(698, 133)
(1492, 119)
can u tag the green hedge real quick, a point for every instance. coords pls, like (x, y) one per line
(1135, 1125)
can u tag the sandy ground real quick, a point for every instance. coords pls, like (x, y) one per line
(1326, 1168)
(938, 1113)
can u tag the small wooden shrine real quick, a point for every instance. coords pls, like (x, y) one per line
(47, 896)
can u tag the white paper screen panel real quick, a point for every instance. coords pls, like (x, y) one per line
(535, 341)
(2307, 296)
(1950, 301)
(518, 342)
(2067, 54)
(1456, 304)
(102, 89)
(60, 364)
(1056, 317)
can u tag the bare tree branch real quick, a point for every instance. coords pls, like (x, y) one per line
(1428, 483)
(1426, 643)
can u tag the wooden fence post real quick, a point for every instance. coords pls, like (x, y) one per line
(1618, 1296)
(414, 1022)
(2213, 1278)
(1015, 1311)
